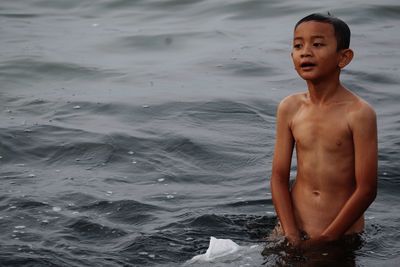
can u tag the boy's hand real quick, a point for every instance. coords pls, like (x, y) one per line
(294, 239)
(317, 242)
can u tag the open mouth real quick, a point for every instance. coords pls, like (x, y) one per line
(307, 65)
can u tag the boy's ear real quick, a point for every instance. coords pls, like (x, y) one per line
(346, 55)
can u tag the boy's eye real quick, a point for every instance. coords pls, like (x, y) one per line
(318, 44)
(297, 46)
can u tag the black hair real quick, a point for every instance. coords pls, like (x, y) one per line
(342, 30)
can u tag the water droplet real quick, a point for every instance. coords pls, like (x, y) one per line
(131, 152)
(20, 227)
(56, 209)
(76, 107)
(161, 180)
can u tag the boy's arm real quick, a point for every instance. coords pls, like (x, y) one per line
(363, 124)
(281, 171)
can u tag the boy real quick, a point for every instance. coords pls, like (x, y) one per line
(335, 136)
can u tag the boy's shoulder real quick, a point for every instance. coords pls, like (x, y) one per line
(361, 110)
(292, 102)
(358, 105)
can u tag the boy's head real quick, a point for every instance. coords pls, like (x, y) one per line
(341, 29)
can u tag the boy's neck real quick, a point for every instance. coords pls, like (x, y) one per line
(322, 92)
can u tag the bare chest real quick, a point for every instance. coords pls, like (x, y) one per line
(326, 130)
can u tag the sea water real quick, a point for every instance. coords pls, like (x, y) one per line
(133, 131)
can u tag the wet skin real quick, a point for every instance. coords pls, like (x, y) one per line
(334, 134)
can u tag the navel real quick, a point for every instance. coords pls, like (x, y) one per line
(338, 143)
(316, 193)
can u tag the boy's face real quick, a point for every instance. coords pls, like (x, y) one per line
(314, 52)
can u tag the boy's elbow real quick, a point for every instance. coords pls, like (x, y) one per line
(373, 190)
(373, 193)
(278, 179)
(369, 194)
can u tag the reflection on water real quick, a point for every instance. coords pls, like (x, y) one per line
(339, 253)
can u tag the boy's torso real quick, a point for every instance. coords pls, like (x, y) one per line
(325, 162)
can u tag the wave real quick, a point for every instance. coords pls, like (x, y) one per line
(33, 69)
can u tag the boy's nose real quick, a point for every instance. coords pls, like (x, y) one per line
(306, 51)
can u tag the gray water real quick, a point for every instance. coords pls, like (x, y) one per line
(132, 131)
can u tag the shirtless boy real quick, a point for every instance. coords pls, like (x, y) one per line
(335, 135)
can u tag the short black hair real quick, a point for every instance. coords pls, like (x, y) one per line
(342, 30)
